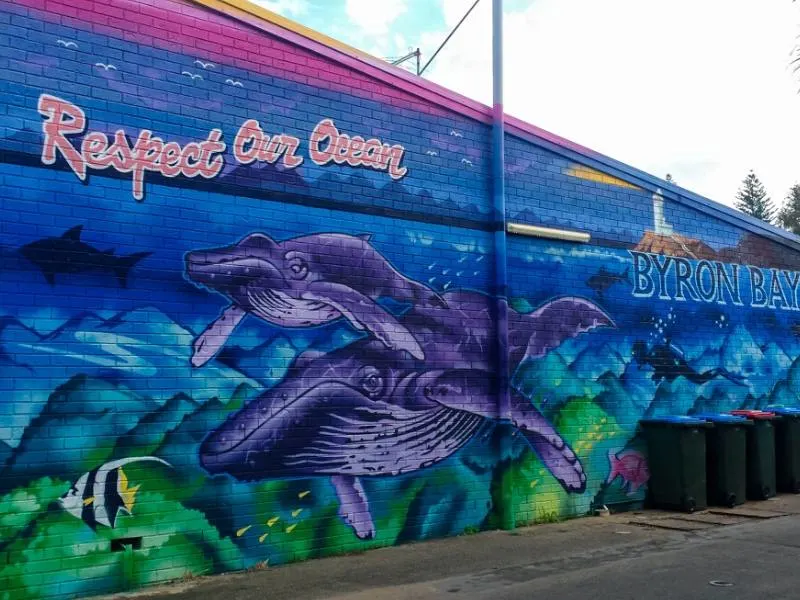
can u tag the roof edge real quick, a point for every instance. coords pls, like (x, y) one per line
(319, 43)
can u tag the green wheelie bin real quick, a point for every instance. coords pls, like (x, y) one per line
(761, 471)
(676, 449)
(726, 458)
(787, 448)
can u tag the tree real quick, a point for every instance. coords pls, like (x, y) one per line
(752, 199)
(789, 215)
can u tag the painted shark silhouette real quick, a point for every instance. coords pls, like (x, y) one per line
(67, 254)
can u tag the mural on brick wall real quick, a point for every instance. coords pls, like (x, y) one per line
(222, 448)
(321, 398)
(408, 395)
(244, 313)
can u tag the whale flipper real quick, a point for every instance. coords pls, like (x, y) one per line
(364, 313)
(548, 445)
(471, 391)
(353, 505)
(213, 338)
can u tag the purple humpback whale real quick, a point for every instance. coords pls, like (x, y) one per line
(367, 410)
(302, 282)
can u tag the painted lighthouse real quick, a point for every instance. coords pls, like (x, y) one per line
(660, 225)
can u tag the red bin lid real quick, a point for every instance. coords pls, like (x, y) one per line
(754, 414)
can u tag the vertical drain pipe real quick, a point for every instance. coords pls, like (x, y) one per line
(501, 259)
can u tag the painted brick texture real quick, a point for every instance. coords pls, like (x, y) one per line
(245, 310)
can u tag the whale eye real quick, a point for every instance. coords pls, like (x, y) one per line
(371, 382)
(298, 267)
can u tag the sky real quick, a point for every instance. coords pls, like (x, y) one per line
(700, 89)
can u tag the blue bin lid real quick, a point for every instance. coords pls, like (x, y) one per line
(783, 410)
(721, 418)
(678, 419)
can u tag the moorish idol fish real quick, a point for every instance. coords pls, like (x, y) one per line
(99, 495)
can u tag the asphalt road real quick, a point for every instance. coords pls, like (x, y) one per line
(586, 558)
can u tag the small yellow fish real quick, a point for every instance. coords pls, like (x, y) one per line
(242, 531)
(262, 538)
(534, 483)
(297, 512)
(290, 528)
(272, 521)
(302, 495)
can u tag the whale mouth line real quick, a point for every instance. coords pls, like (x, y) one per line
(201, 261)
(337, 384)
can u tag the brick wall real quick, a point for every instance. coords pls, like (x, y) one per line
(216, 357)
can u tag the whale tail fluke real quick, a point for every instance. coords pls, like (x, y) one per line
(535, 334)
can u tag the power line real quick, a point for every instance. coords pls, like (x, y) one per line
(449, 35)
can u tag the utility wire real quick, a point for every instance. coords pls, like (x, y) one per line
(449, 35)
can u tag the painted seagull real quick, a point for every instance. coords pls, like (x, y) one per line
(302, 282)
(368, 411)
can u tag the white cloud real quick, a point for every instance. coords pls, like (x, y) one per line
(374, 16)
(701, 90)
(287, 8)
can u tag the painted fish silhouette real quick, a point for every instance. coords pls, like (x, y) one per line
(601, 281)
(67, 254)
(100, 495)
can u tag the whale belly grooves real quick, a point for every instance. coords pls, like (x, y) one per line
(393, 443)
(282, 309)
